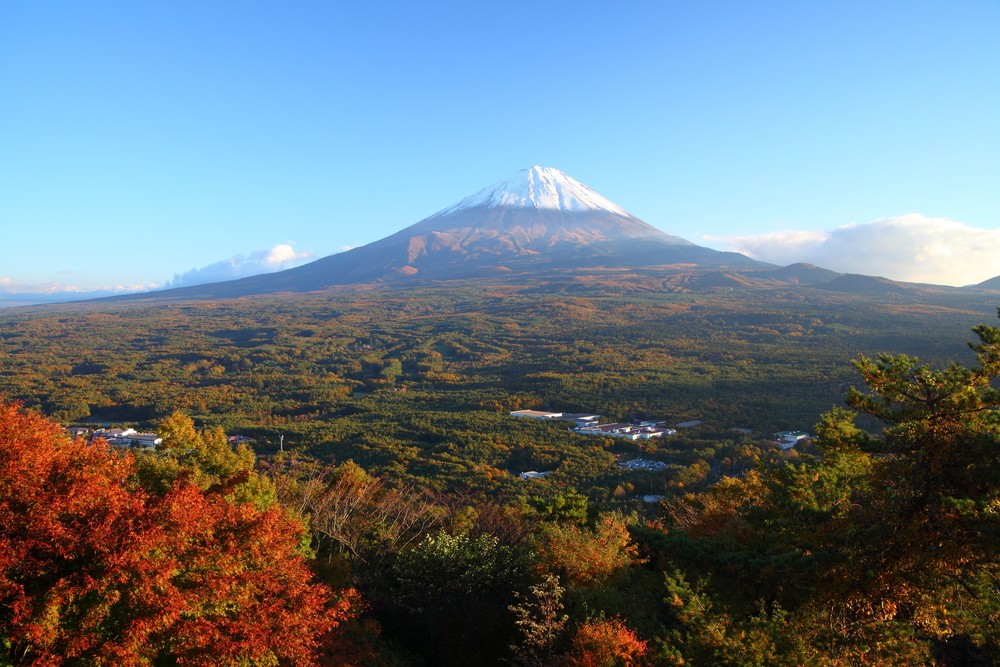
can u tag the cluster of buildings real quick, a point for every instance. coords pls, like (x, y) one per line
(640, 431)
(129, 437)
(587, 424)
(122, 437)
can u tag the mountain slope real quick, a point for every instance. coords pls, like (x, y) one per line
(538, 220)
(990, 283)
(799, 273)
(854, 283)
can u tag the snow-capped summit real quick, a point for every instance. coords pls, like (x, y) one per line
(537, 210)
(538, 222)
(539, 188)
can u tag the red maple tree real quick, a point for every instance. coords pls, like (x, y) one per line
(93, 567)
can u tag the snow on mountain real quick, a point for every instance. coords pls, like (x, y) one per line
(542, 188)
(538, 222)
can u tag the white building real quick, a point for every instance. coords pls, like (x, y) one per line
(536, 414)
(108, 433)
(145, 440)
(788, 439)
(627, 431)
(128, 437)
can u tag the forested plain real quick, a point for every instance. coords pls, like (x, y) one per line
(380, 421)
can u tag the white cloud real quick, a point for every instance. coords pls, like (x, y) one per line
(10, 286)
(909, 247)
(281, 256)
(19, 293)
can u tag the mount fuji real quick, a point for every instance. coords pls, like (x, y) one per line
(538, 221)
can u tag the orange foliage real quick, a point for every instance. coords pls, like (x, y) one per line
(605, 644)
(94, 569)
(719, 510)
(586, 557)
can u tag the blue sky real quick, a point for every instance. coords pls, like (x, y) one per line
(140, 141)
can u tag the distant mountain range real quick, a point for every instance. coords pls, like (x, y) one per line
(537, 222)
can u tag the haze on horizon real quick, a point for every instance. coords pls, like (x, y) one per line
(155, 145)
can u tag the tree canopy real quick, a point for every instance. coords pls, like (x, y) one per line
(884, 549)
(96, 570)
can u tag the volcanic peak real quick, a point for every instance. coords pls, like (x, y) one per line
(539, 222)
(542, 188)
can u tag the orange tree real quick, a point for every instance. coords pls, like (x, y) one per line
(95, 570)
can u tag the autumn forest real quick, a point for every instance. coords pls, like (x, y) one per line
(372, 510)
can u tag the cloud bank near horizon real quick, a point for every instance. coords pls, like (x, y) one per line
(10, 286)
(20, 293)
(911, 248)
(280, 257)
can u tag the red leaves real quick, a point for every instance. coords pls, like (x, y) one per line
(605, 643)
(245, 594)
(92, 567)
